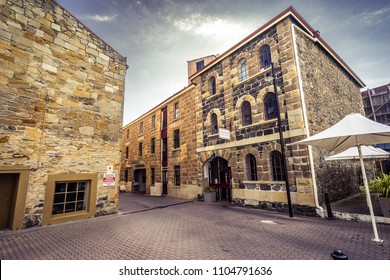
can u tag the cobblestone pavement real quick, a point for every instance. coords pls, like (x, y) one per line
(196, 231)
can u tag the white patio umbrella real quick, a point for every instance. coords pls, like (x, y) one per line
(354, 130)
(368, 152)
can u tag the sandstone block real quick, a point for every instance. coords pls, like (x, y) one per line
(87, 130)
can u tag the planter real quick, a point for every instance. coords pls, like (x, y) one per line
(210, 197)
(385, 206)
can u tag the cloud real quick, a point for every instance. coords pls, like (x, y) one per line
(208, 26)
(375, 17)
(102, 18)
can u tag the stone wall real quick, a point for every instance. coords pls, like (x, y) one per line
(262, 136)
(185, 156)
(61, 99)
(330, 94)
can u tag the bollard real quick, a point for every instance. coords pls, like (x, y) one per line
(338, 255)
(328, 208)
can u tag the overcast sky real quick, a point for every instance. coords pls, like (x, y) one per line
(158, 37)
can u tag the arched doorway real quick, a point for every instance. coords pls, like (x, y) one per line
(219, 175)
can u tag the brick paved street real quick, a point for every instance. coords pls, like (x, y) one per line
(196, 230)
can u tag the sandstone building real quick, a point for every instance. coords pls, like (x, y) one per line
(234, 119)
(61, 108)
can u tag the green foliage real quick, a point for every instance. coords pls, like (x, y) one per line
(381, 185)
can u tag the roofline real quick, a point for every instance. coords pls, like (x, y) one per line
(290, 11)
(169, 99)
(89, 29)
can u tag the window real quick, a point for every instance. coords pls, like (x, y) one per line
(126, 175)
(128, 134)
(277, 166)
(140, 149)
(176, 139)
(270, 110)
(251, 169)
(176, 111)
(152, 175)
(246, 113)
(141, 127)
(70, 197)
(212, 86)
(214, 123)
(265, 57)
(242, 70)
(177, 175)
(153, 121)
(199, 65)
(152, 145)
(127, 152)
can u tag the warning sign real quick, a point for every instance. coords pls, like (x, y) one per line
(109, 179)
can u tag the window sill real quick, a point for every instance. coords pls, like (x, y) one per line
(176, 150)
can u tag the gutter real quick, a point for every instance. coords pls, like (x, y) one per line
(319, 209)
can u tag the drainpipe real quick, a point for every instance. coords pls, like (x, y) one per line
(319, 209)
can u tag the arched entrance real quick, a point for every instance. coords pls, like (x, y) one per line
(219, 177)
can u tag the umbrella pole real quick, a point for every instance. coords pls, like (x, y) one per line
(369, 203)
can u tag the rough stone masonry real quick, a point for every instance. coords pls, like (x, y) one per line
(61, 101)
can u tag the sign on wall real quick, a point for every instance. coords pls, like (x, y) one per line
(109, 179)
(224, 133)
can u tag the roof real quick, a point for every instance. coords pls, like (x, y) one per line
(290, 11)
(378, 90)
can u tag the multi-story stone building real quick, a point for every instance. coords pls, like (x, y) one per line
(238, 145)
(61, 109)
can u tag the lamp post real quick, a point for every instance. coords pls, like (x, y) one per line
(282, 143)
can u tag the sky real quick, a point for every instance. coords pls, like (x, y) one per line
(158, 37)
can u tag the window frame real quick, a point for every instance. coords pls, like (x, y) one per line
(246, 111)
(265, 51)
(153, 145)
(276, 166)
(140, 149)
(176, 139)
(153, 122)
(273, 115)
(90, 210)
(152, 176)
(127, 152)
(176, 110)
(243, 70)
(212, 85)
(177, 175)
(251, 167)
(214, 123)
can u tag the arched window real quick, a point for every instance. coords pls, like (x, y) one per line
(251, 169)
(270, 110)
(212, 86)
(242, 70)
(265, 57)
(246, 113)
(214, 123)
(277, 166)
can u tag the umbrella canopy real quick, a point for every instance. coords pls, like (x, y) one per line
(368, 152)
(353, 130)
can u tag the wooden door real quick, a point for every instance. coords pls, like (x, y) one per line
(7, 186)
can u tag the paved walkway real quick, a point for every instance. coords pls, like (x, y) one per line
(158, 228)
